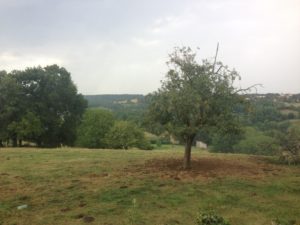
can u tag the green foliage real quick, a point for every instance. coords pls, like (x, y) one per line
(256, 142)
(293, 140)
(194, 96)
(264, 110)
(29, 127)
(46, 97)
(291, 153)
(211, 218)
(124, 135)
(95, 124)
(225, 137)
(12, 106)
(124, 107)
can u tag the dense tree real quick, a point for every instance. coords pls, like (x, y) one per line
(264, 110)
(225, 137)
(95, 124)
(11, 107)
(41, 105)
(125, 134)
(194, 96)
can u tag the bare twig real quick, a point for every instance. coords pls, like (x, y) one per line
(248, 88)
(219, 69)
(215, 59)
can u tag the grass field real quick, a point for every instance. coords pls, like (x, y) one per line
(79, 186)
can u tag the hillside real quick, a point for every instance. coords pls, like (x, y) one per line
(111, 101)
(125, 106)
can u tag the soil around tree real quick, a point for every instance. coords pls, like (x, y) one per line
(207, 168)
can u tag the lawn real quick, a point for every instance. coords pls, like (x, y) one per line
(114, 187)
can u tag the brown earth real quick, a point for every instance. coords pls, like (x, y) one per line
(206, 168)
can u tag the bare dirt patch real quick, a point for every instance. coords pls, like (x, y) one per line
(206, 168)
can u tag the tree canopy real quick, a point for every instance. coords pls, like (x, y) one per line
(95, 124)
(193, 96)
(40, 105)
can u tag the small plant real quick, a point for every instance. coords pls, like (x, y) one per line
(134, 218)
(211, 218)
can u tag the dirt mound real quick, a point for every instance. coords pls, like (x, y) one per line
(205, 168)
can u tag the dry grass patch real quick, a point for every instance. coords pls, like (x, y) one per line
(207, 167)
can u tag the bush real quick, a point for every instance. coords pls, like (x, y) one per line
(291, 153)
(256, 142)
(124, 135)
(211, 218)
(93, 128)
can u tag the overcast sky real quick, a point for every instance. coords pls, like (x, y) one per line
(121, 46)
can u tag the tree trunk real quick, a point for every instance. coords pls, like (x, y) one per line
(15, 142)
(39, 143)
(1, 145)
(187, 153)
(20, 142)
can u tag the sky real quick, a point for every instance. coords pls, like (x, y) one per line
(121, 46)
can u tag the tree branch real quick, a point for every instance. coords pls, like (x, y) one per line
(215, 59)
(248, 88)
(219, 69)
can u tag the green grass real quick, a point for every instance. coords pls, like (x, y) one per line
(64, 186)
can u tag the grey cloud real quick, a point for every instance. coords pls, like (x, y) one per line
(120, 46)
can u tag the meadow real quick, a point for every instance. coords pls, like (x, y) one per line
(119, 187)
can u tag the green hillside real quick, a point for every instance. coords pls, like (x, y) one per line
(125, 106)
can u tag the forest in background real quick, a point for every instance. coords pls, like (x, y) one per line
(264, 124)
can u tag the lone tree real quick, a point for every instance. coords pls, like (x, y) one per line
(195, 96)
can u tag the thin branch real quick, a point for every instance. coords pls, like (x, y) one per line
(219, 69)
(248, 88)
(215, 59)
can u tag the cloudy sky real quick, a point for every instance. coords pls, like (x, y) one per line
(121, 46)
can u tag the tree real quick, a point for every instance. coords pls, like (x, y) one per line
(194, 96)
(125, 134)
(11, 107)
(29, 128)
(95, 124)
(46, 97)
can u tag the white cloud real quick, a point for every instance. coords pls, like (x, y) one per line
(11, 61)
(145, 43)
(121, 47)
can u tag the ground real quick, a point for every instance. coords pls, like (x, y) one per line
(114, 187)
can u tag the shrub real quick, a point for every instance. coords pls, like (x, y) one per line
(124, 135)
(211, 218)
(291, 153)
(93, 128)
(258, 143)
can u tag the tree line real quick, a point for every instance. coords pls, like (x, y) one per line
(42, 106)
